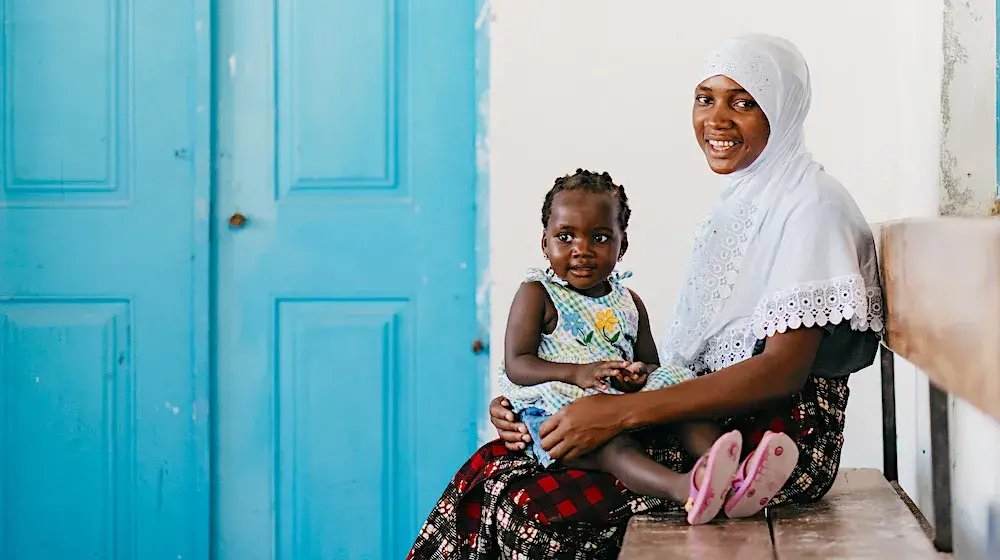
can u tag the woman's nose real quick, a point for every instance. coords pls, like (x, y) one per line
(719, 117)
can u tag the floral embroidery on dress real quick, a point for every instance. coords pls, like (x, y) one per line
(606, 321)
(573, 323)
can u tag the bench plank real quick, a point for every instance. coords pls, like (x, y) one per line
(942, 292)
(669, 537)
(861, 517)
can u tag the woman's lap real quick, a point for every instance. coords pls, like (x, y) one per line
(504, 499)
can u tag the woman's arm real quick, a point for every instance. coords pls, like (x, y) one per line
(779, 372)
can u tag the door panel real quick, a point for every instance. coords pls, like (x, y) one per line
(99, 428)
(347, 392)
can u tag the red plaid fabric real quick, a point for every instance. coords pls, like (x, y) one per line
(503, 503)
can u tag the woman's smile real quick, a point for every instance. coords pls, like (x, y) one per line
(721, 148)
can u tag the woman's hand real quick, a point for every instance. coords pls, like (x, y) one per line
(582, 426)
(513, 433)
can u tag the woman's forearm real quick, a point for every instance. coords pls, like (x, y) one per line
(746, 386)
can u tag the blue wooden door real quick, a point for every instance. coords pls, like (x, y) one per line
(347, 394)
(103, 385)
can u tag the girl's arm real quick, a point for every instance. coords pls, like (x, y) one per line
(779, 372)
(524, 333)
(645, 346)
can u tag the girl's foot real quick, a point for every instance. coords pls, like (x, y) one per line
(761, 475)
(711, 478)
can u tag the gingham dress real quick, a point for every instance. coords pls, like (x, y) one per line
(588, 330)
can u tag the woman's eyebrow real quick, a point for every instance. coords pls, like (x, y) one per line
(732, 90)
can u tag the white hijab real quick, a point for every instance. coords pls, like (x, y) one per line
(786, 246)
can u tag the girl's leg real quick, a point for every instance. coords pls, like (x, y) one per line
(698, 437)
(630, 464)
(702, 492)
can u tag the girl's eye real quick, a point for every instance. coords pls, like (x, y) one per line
(746, 104)
(601, 238)
(702, 100)
(564, 237)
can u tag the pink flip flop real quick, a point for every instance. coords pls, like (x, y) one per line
(762, 475)
(720, 463)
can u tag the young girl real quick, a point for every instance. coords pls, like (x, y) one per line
(575, 330)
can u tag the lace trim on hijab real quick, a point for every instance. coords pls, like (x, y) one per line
(829, 302)
(820, 303)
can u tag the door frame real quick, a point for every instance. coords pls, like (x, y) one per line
(205, 257)
(202, 152)
(484, 22)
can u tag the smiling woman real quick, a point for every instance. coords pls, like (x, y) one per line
(728, 124)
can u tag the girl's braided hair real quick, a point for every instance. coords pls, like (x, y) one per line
(590, 182)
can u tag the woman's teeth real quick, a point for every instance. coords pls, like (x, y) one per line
(721, 145)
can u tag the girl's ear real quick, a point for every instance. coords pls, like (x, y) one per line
(545, 246)
(621, 253)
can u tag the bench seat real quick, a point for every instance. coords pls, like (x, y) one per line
(861, 517)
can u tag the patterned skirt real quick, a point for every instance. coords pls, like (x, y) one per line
(501, 504)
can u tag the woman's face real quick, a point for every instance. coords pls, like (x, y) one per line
(729, 125)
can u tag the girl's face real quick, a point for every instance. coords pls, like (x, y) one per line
(583, 240)
(730, 127)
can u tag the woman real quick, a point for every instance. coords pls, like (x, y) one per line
(781, 303)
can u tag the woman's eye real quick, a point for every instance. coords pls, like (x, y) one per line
(746, 104)
(702, 100)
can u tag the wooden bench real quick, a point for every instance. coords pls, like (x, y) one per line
(941, 279)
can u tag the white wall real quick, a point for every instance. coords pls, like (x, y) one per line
(608, 86)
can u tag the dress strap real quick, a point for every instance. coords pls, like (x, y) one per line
(618, 275)
(544, 276)
(548, 275)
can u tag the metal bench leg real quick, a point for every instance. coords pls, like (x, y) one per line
(940, 468)
(890, 465)
(993, 533)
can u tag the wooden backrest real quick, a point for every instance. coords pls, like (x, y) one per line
(941, 278)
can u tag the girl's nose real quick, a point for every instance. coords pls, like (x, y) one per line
(581, 248)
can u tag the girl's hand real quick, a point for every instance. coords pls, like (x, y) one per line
(582, 426)
(593, 376)
(634, 377)
(513, 433)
